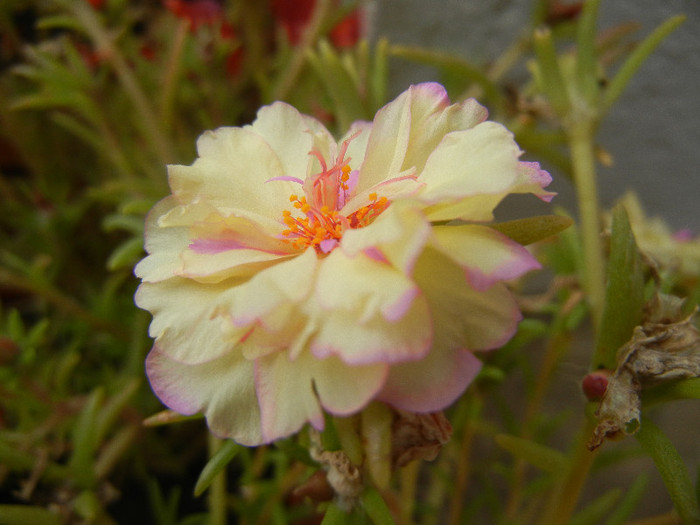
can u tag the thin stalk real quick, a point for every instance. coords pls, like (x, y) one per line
(556, 348)
(104, 43)
(217, 490)
(583, 163)
(409, 484)
(64, 303)
(566, 495)
(172, 72)
(290, 75)
(463, 470)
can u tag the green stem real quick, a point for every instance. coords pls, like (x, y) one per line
(580, 137)
(217, 489)
(103, 42)
(293, 70)
(172, 73)
(567, 493)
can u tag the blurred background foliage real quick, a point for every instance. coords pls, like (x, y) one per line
(96, 97)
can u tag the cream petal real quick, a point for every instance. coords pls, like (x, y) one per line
(163, 245)
(232, 171)
(476, 208)
(387, 143)
(288, 282)
(291, 393)
(286, 396)
(363, 286)
(375, 340)
(486, 255)
(223, 389)
(342, 389)
(399, 235)
(469, 319)
(357, 146)
(431, 384)
(191, 321)
(432, 118)
(533, 179)
(291, 136)
(480, 160)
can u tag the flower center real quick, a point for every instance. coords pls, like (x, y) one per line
(318, 221)
(323, 228)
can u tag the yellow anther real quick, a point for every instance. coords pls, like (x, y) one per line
(305, 208)
(293, 198)
(373, 196)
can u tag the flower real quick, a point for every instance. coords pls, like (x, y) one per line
(289, 274)
(196, 12)
(294, 15)
(672, 250)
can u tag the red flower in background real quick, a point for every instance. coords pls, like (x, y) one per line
(197, 12)
(294, 15)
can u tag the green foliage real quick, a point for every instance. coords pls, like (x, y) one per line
(673, 471)
(624, 296)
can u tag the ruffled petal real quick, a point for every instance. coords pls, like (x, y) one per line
(223, 389)
(291, 136)
(223, 247)
(191, 321)
(231, 172)
(286, 397)
(398, 236)
(486, 255)
(363, 286)
(433, 383)
(163, 245)
(291, 393)
(283, 285)
(468, 319)
(481, 160)
(387, 143)
(375, 340)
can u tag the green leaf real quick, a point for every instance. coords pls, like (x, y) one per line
(376, 507)
(682, 389)
(533, 229)
(339, 84)
(549, 76)
(215, 465)
(623, 510)
(376, 432)
(347, 429)
(672, 470)
(623, 76)
(125, 254)
(586, 63)
(335, 516)
(540, 456)
(24, 514)
(595, 511)
(85, 440)
(624, 295)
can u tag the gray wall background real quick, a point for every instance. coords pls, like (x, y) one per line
(653, 132)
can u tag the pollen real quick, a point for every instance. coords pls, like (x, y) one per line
(317, 221)
(321, 224)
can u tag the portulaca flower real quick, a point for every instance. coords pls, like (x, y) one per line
(289, 274)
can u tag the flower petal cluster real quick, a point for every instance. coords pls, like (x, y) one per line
(290, 274)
